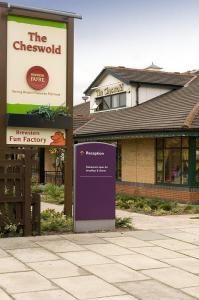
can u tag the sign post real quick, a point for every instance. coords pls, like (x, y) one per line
(36, 72)
(94, 186)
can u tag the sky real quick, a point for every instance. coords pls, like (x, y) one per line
(130, 33)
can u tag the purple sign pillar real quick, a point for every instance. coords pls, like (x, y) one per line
(94, 186)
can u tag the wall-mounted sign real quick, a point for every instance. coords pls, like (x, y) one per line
(113, 89)
(94, 185)
(35, 136)
(36, 64)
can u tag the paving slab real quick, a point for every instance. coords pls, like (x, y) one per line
(85, 239)
(127, 242)
(173, 244)
(84, 258)
(3, 253)
(173, 276)
(4, 296)
(193, 291)
(162, 231)
(16, 243)
(193, 230)
(115, 273)
(110, 234)
(10, 264)
(158, 252)
(57, 269)
(189, 264)
(192, 253)
(152, 290)
(44, 295)
(185, 237)
(138, 261)
(42, 238)
(20, 282)
(124, 297)
(145, 235)
(33, 254)
(85, 287)
(60, 246)
(108, 249)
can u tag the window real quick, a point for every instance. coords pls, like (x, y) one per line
(172, 160)
(197, 160)
(112, 101)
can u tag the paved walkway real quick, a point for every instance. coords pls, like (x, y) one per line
(157, 264)
(146, 222)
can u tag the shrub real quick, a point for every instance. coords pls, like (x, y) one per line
(55, 221)
(54, 193)
(168, 206)
(155, 207)
(123, 223)
(37, 188)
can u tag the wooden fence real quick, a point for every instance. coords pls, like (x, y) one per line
(17, 205)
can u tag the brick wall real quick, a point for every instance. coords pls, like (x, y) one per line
(138, 160)
(154, 191)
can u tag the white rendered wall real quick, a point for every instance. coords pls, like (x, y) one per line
(149, 92)
(109, 81)
(146, 92)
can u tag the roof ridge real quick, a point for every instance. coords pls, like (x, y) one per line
(191, 116)
(150, 71)
(81, 103)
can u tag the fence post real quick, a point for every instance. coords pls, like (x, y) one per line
(27, 193)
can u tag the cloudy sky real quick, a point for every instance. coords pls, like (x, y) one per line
(130, 33)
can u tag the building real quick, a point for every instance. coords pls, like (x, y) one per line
(153, 116)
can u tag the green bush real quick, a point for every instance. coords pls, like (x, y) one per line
(55, 221)
(123, 223)
(155, 207)
(37, 188)
(54, 193)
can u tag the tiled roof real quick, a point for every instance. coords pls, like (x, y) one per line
(131, 76)
(79, 121)
(82, 109)
(168, 111)
(81, 114)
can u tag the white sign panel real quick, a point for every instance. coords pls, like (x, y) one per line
(35, 136)
(36, 64)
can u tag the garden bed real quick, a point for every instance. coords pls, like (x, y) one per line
(154, 207)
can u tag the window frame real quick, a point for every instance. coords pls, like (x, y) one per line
(102, 101)
(163, 149)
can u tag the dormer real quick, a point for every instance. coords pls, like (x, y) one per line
(119, 87)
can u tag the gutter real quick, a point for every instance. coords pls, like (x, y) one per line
(42, 10)
(138, 134)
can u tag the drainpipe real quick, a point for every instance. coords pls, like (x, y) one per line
(137, 93)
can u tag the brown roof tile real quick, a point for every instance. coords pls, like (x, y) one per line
(131, 76)
(168, 111)
(82, 109)
(81, 114)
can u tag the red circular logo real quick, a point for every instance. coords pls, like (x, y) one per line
(37, 78)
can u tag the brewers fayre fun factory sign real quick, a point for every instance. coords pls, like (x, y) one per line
(36, 75)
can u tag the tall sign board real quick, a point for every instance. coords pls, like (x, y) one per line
(94, 186)
(36, 73)
(36, 69)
